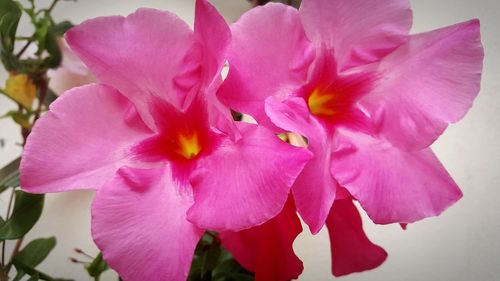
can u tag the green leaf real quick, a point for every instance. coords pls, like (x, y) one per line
(34, 253)
(10, 13)
(33, 272)
(9, 175)
(97, 267)
(62, 27)
(35, 277)
(27, 210)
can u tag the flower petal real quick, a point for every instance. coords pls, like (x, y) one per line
(427, 83)
(351, 250)
(314, 190)
(249, 179)
(358, 31)
(213, 32)
(255, 70)
(267, 250)
(139, 223)
(145, 54)
(81, 141)
(393, 185)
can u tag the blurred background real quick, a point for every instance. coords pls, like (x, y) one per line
(462, 244)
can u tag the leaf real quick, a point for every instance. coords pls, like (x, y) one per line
(9, 175)
(21, 88)
(33, 272)
(33, 254)
(97, 267)
(36, 251)
(10, 13)
(62, 27)
(27, 210)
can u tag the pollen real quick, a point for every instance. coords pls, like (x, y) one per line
(320, 103)
(189, 145)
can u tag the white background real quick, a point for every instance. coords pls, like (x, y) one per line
(462, 244)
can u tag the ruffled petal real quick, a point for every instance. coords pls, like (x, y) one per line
(149, 53)
(244, 184)
(352, 251)
(314, 190)
(139, 223)
(81, 142)
(265, 61)
(267, 250)
(358, 31)
(393, 185)
(426, 84)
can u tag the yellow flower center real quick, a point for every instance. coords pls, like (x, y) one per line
(189, 145)
(320, 103)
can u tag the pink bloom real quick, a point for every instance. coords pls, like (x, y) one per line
(164, 155)
(369, 98)
(267, 249)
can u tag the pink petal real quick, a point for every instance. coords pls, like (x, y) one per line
(267, 249)
(269, 56)
(428, 83)
(393, 185)
(80, 143)
(314, 189)
(351, 250)
(213, 32)
(139, 223)
(358, 31)
(149, 53)
(246, 183)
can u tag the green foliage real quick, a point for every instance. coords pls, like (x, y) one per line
(10, 14)
(97, 267)
(212, 262)
(27, 210)
(9, 175)
(33, 254)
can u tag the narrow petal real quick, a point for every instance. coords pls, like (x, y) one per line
(256, 71)
(149, 53)
(358, 31)
(245, 184)
(267, 250)
(314, 190)
(393, 185)
(352, 251)
(81, 142)
(427, 83)
(139, 223)
(214, 34)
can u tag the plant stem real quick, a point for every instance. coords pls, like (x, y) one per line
(43, 86)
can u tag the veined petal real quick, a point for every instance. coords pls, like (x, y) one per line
(314, 190)
(358, 31)
(352, 251)
(265, 61)
(244, 184)
(149, 53)
(392, 185)
(267, 250)
(214, 34)
(81, 142)
(139, 223)
(427, 83)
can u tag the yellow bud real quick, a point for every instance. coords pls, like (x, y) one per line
(21, 89)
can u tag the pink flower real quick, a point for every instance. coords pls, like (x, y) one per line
(164, 155)
(369, 98)
(267, 249)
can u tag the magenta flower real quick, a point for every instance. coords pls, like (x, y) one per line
(165, 157)
(369, 98)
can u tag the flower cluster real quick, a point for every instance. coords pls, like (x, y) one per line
(156, 139)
